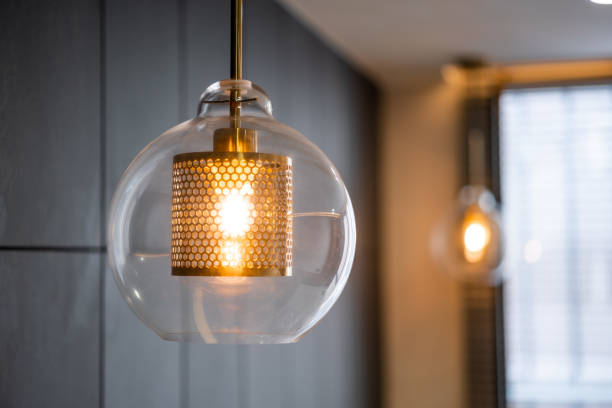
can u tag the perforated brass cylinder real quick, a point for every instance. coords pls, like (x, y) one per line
(231, 214)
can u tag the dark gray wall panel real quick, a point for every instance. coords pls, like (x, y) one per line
(363, 287)
(267, 52)
(344, 126)
(207, 44)
(142, 84)
(270, 376)
(49, 123)
(49, 329)
(142, 80)
(213, 379)
(141, 369)
(343, 114)
(306, 388)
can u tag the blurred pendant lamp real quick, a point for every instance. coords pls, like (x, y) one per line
(467, 242)
(231, 227)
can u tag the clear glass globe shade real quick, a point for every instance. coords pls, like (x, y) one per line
(231, 309)
(468, 240)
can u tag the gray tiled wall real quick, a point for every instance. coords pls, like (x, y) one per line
(85, 85)
(49, 124)
(49, 329)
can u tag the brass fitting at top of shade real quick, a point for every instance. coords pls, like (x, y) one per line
(235, 140)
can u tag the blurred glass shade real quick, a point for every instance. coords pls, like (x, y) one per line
(467, 241)
(232, 309)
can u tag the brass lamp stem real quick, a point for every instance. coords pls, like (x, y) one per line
(236, 35)
(235, 138)
(236, 60)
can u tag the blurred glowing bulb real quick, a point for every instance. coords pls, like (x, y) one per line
(475, 239)
(235, 212)
(601, 1)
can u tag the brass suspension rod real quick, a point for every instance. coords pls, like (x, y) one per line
(235, 138)
(236, 60)
(236, 36)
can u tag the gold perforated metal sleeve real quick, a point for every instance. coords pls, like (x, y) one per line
(231, 214)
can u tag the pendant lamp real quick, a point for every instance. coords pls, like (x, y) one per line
(467, 241)
(231, 227)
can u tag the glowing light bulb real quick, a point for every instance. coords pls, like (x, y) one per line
(235, 212)
(235, 222)
(476, 237)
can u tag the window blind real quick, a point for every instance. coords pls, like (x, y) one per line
(556, 179)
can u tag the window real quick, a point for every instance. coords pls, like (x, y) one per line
(556, 174)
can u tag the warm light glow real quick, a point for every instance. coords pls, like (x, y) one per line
(453, 75)
(234, 212)
(231, 252)
(476, 236)
(235, 222)
(230, 215)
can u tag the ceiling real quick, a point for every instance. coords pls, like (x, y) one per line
(398, 41)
